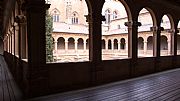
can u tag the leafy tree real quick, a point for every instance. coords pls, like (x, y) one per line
(49, 39)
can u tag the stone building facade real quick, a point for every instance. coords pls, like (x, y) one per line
(71, 31)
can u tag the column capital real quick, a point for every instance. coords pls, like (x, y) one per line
(156, 28)
(90, 17)
(130, 24)
(173, 31)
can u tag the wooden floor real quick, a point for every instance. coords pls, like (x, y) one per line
(163, 86)
(8, 88)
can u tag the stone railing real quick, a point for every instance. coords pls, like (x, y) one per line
(83, 55)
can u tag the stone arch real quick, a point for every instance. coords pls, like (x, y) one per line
(60, 43)
(124, 4)
(109, 44)
(71, 43)
(80, 43)
(164, 43)
(75, 17)
(103, 44)
(144, 14)
(166, 22)
(122, 43)
(115, 44)
(150, 43)
(55, 13)
(140, 43)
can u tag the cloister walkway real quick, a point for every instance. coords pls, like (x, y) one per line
(8, 88)
(164, 86)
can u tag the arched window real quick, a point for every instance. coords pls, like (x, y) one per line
(114, 15)
(55, 14)
(108, 16)
(75, 18)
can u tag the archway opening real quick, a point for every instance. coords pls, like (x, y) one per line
(61, 43)
(166, 36)
(150, 43)
(122, 44)
(115, 44)
(113, 29)
(144, 32)
(69, 22)
(109, 44)
(178, 39)
(140, 46)
(87, 44)
(164, 45)
(71, 43)
(80, 44)
(103, 44)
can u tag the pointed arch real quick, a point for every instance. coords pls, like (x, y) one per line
(75, 17)
(55, 13)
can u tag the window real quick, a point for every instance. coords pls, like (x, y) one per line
(114, 15)
(55, 15)
(75, 18)
(107, 16)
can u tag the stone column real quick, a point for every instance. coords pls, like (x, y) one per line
(156, 37)
(76, 45)
(132, 39)
(66, 45)
(169, 46)
(55, 45)
(145, 46)
(36, 76)
(174, 42)
(126, 46)
(119, 45)
(106, 44)
(112, 45)
(84, 42)
(95, 19)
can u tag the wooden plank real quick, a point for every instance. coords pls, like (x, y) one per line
(1, 83)
(163, 87)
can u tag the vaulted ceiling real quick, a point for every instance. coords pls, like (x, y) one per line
(4, 2)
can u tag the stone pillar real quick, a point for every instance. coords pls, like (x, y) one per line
(169, 46)
(174, 42)
(84, 42)
(36, 76)
(106, 44)
(145, 46)
(55, 46)
(21, 21)
(132, 39)
(76, 45)
(119, 45)
(66, 45)
(156, 37)
(94, 20)
(126, 46)
(112, 45)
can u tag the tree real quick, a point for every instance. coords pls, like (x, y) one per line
(49, 39)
